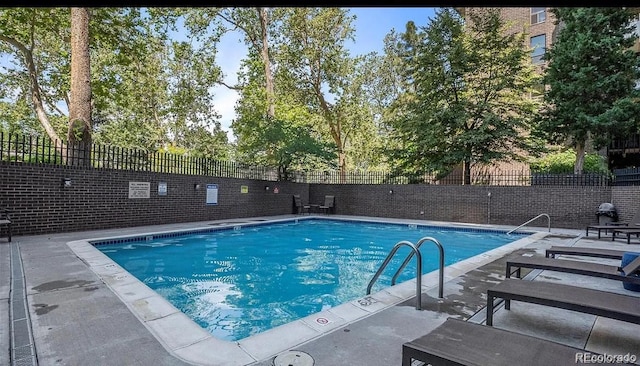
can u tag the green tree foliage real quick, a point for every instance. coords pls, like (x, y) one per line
(315, 67)
(313, 76)
(563, 162)
(591, 77)
(37, 39)
(290, 140)
(162, 97)
(469, 97)
(147, 91)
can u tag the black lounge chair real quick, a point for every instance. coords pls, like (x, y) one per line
(5, 220)
(329, 202)
(585, 252)
(300, 207)
(624, 274)
(585, 300)
(635, 220)
(626, 231)
(458, 342)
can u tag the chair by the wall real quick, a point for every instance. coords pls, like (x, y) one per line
(329, 204)
(5, 220)
(300, 207)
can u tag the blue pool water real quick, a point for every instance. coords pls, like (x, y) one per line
(236, 283)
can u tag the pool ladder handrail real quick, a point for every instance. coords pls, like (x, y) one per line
(533, 219)
(440, 266)
(384, 264)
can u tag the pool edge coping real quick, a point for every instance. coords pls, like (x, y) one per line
(184, 339)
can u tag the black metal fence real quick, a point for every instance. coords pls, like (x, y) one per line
(511, 178)
(627, 177)
(42, 150)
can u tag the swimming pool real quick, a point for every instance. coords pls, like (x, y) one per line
(239, 281)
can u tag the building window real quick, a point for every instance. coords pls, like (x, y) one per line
(538, 44)
(538, 15)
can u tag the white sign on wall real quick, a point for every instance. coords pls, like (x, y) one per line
(139, 189)
(212, 194)
(162, 188)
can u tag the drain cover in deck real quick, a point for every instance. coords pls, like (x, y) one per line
(293, 358)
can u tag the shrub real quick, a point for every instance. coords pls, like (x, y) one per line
(563, 162)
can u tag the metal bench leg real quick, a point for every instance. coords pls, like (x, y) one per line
(518, 272)
(490, 310)
(406, 357)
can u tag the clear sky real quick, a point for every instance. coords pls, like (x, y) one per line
(371, 26)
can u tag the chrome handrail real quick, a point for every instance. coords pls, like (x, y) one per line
(533, 219)
(441, 268)
(393, 251)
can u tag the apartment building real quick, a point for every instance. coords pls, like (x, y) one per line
(539, 24)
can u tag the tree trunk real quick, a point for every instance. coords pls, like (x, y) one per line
(342, 165)
(79, 133)
(466, 173)
(579, 165)
(264, 52)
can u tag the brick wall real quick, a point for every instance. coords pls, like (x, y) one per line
(627, 201)
(568, 207)
(99, 199)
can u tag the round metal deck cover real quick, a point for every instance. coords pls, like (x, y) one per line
(293, 358)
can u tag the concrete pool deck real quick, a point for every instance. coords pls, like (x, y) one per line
(76, 319)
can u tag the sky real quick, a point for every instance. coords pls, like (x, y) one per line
(371, 26)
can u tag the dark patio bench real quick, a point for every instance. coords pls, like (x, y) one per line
(461, 343)
(584, 251)
(585, 300)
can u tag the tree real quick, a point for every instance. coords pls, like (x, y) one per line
(366, 94)
(290, 140)
(591, 78)
(32, 36)
(313, 60)
(469, 99)
(79, 134)
(255, 24)
(311, 72)
(144, 90)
